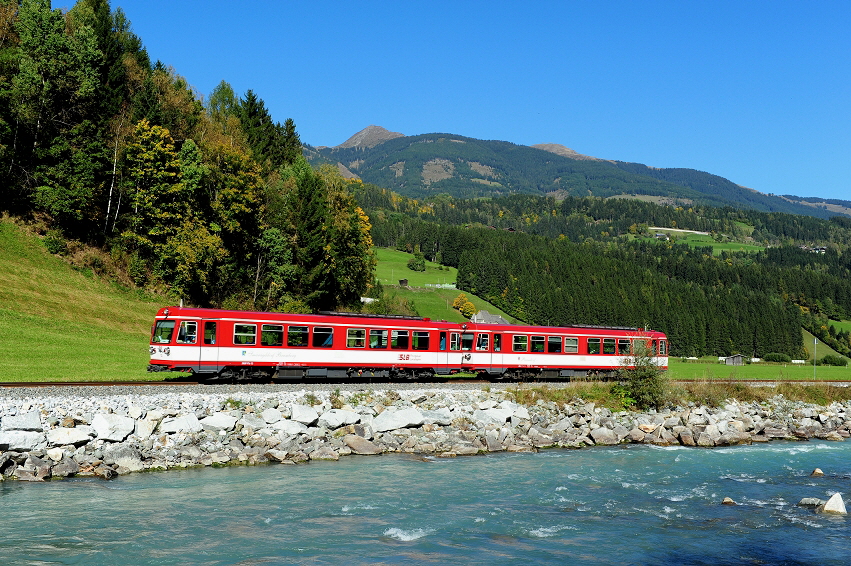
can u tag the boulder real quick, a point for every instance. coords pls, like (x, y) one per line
(271, 415)
(834, 506)
(817, 473)
(289, 427)
(125, 456)
(391, 420)
(728, 501)
(441, 416)
(324, 453)
(20, 440)
(811, 502)
(28, 421)
(183, 423)
(604, 436)
(110, 426)
(66, 467)
(335, 418)
(304, 414)
(360, 445)
(218, 421)
(252, 421)
(76, 436)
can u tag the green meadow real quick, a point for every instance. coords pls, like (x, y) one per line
(59, 324)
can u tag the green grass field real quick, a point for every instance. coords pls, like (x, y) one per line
(57, 324)
(393, 266)
(842, 325)
(712, 370)
(701, 240)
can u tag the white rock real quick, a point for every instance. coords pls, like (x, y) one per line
(28, 421)
(834, 505)
(304, 414)
(182, 423)
(145, 428)
(55, 454)
(271, 415)
(335, 418)
(76, 436)
(218, 421)
(20, 440)
(493, 416)
(113, 427)
(289, 427)
(391, 419)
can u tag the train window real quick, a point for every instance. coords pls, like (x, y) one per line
(609, 346)
(209, 332)
(571, 345)
(521, 343)
(554, 344)
(663, 348)
(593, 345)
(399, 339)
(323, 337)
(538, 343)
(497, 342)
(272, 335)
(244, 334)
(467, 341)
(623, 346)
(482, 343)
(356, 338)
(653, 349)
(420, 340)
(297, 336)
(443, 341)
(454, 341)
(188, 332)
(163, 331)
(377, 338)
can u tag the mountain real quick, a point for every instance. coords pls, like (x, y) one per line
(428, 164)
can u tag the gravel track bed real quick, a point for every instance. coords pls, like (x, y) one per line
(225, 389)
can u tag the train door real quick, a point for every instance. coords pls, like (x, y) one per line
(483, 351)
(209, 361)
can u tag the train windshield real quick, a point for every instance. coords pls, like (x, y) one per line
(163, 331)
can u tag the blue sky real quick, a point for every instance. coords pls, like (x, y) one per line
(758, 92)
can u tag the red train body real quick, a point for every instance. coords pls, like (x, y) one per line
(261, 345)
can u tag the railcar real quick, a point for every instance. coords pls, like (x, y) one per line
(239, 345)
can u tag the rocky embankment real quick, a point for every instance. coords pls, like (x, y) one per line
(46, 436)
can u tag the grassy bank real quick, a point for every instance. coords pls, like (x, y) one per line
(709, 393)
(58, 324)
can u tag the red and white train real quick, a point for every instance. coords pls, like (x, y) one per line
(235, 345)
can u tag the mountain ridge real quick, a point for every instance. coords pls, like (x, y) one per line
(427, 164)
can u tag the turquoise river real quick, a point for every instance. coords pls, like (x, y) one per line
(616, 505)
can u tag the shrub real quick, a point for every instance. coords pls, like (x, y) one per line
(833, 360)
(417, 263)
(777, 357)
(642, 380)
(54, 242)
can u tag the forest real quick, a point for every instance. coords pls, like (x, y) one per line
(582, 261)
(208, 200)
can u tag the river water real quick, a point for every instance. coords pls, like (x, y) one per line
(632, 504)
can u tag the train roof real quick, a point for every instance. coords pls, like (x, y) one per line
(324, 316)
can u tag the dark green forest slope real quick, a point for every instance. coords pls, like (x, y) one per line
(578, 261)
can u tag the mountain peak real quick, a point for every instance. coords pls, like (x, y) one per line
(559, 149)
(370, 136)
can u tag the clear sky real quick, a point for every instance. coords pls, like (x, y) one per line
(755, 91)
